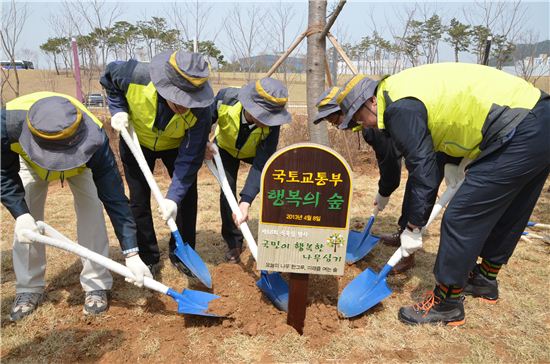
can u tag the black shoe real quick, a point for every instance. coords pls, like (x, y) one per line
(480, 286)
(434, 310)
(392, 239)
(176, 262)
(155, 269)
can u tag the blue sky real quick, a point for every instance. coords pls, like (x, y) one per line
(355, 21)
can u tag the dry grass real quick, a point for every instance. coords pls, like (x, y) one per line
(137, 328)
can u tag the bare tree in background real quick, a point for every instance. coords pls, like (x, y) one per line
(191, 19)
(13, 21)
(407, 18)
(98, 16)
(279, 21)
(504, 19)
(243, 29)
(63, 27)
(526, 63)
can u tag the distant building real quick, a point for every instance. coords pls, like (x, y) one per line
(263, 63)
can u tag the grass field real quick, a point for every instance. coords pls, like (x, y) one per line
(142, 326)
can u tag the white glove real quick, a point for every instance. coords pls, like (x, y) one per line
(381, 201)
(210, 151)
(410, 242)
(119, 121)
(22, 223)
(453, 175)
(138, 269)
(168, 209)
(243, 206)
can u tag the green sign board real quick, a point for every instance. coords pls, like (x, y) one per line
(305, 205)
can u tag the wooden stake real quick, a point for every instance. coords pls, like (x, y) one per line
(297, 301)
(286, 54)
(343, 54)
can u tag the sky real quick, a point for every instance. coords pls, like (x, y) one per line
(358, 19)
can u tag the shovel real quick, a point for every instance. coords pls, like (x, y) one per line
(538, 225)
(189, 301)
(271, 284)
(183, 251)
(361, 243)
(368, 288)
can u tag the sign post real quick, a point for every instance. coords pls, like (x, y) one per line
(304, 218)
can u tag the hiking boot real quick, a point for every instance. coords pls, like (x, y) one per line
(480, 286)
(404, 265)
(96, 302)
(392, 239)
(434, 310)
(155, 269)
(24, 304)
(177, 263)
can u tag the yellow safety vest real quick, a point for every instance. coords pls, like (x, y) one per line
(458, 98)
(25, 103)
(227, 131)
(142, 104)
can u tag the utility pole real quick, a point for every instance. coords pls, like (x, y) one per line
(316, 44)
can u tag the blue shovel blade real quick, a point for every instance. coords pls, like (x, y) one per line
(360, 244)
(192, 260)
(364, 292)
(275, 288)
(354, 240)
(363, 249)
(193, 302)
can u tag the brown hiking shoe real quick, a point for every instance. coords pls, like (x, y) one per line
(404, 265)
(233, 255)
(392, 239)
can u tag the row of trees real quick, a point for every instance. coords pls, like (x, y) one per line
(419, 44)
(125, 40)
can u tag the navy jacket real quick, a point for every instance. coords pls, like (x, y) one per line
(106, 177)
(116, 79)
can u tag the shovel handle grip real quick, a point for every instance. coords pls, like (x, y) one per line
(56, 239)
(219, 172)
(136, 151)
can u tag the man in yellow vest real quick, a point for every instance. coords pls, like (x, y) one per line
(46, 137)
(249, 121)
(499, 121)
(167, 102)
(388, 158)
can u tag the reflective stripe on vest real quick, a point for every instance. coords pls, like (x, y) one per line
(227, 131)
(457, 98)
(142, 105)
(25, 103)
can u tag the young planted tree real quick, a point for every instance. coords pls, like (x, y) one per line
(459, 36)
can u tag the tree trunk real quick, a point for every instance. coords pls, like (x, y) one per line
(55, 64)
(316, 69)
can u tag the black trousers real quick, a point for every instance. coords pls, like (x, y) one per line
(140, 202)
(441, 160)
(230, 232)
(492, 207)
